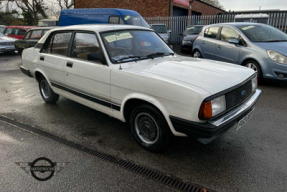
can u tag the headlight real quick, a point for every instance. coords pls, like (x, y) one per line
(212, 108)
(277, 57)
(254, 83)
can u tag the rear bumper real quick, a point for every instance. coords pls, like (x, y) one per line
(26, 71)
(209, 131)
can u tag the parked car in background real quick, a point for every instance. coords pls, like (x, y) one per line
(17, 32)
(258, 46)
(48, 22)
(2, 27)
(189, 35)
(131, 74)
(101, 16)
(6, 44)
(161, 29)
(31, 38)
(252, 18)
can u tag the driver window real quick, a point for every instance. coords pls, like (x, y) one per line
(227, 34)
(86, 47)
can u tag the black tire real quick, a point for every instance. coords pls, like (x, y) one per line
(196, 54)
(46, 92)
(256, 67)
(150, 116)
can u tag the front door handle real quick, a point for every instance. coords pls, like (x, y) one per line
(69, 64)
(42, 58)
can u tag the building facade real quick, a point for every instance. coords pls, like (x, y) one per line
(154, 8)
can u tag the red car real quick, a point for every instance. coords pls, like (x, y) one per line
(17, 32)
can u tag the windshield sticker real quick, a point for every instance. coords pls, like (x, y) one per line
(145, 44)
(118, 36)
(127, 17)
(248, 27)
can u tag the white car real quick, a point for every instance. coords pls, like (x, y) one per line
(7, 44)
(129, 73)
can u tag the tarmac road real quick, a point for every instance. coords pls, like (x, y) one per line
(251, 159)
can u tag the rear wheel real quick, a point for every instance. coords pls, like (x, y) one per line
(150, 128)
(196, 54)
(47, 93)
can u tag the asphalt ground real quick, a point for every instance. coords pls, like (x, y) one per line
(251, 159)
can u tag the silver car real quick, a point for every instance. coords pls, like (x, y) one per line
(258, 46)
(7, 44)
(161, 30)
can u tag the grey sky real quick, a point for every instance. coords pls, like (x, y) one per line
(253, 4)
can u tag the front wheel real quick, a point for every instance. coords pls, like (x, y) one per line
(255, 66)
(196, 54)
(150, 128)
(47, 93)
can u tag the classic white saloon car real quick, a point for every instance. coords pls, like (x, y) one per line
(131, 74)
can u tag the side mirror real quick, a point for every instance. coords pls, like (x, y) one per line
(96, 56)
(234, 41)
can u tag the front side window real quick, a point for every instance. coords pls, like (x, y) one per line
(212, 32)
(228, 33)
(58, 44)
(36, 34)
(263, 33)
(159, 28)
(86, 47)
(136, 20)
(125, 46)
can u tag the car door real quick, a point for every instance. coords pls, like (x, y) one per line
(18, 33)
(225, 51)
(209, 41)
(86, 76)
(53, 57)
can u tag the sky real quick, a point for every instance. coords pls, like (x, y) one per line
(241, 5)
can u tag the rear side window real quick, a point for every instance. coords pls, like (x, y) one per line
(211, 33)
(58, 44)
(21, 32)
(228, 33)
(36, 34)
(8, 31)
(27, 36)
(86, 47)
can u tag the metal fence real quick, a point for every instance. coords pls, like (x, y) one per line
(177, 25)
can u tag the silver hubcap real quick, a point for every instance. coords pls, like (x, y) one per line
(196, 54)
(252, 66)
(45, 89)
(146, 128)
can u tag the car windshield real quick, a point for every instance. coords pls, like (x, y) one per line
(262, 33)
(131, 45)
(159, 28)
(193, 30)
(1, 35)
(136, 20)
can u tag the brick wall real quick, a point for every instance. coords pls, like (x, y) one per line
(204, 8)
(147, 8)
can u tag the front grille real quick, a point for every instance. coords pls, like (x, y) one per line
(238, 95)
(7, 43)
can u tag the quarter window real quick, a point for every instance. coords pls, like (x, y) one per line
(86, 47)
(212, 32)
(228, 33)
(36, 34)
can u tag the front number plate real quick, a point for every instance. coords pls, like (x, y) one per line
(244, 120)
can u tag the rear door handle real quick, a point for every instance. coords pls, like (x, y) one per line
(42, 58)
(69, 64)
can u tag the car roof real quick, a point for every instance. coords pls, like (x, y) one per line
(100, 27)
(157, 24)
(99, 11)
(21, 27)
(235, 24)
(41, 28)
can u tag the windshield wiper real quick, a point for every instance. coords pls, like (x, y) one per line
(153, 55)
(128, 57)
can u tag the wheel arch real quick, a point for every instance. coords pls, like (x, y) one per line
(38, 73)
(134, 100)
